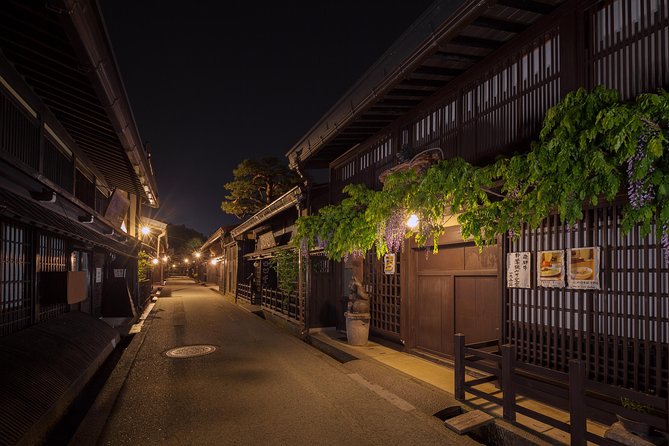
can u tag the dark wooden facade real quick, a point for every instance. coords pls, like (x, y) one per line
(60, 160)
(478, 87)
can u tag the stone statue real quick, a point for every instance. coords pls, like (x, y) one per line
(358, 299)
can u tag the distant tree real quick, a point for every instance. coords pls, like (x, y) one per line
(257, 183)
(184, 240)
(192, 245)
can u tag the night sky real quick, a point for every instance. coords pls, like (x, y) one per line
(214, 82)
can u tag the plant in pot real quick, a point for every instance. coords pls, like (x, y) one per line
(640, 428)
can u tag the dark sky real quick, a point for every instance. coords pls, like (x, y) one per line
(214, 82)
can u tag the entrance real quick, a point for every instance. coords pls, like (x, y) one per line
(457, 290)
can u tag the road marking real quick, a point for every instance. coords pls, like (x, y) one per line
(136, 328)
(383, 393)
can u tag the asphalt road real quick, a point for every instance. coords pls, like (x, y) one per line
(262, 386)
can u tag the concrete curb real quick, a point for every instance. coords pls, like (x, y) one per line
(91, 427)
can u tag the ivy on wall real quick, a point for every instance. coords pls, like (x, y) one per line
(285, 263)
(590, 147)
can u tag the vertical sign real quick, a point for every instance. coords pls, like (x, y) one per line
(518, 270)
(583, 268)
(98, 275)
(550, 269)
(389, 263)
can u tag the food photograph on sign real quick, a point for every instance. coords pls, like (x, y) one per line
(550, 268)
(583, 268)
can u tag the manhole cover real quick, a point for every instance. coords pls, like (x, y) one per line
(190, 351)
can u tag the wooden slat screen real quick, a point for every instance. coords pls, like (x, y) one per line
(384, 297)
(630, 45)
(58, 167)
(19, 133)
(622, 330)
(52, 256)
(16, 277)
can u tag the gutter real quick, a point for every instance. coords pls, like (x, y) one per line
(84, 16)
(451, 16)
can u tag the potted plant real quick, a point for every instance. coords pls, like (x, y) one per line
(640, 428)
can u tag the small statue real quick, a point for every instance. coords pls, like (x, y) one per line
(358, 299)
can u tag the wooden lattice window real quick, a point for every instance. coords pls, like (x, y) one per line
(620, 331)
(52, 256)
(384, 291)
(16, 278)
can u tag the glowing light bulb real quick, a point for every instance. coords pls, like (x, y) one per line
(412, 221)
(146, 230)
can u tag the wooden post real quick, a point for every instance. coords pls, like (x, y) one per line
(508, 386)
(459, 353)
(577, 402)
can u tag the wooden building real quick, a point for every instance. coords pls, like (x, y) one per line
(74, 171)
(475, 79)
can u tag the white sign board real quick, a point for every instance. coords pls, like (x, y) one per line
(98, 275)
(389, 263)
(518, 267)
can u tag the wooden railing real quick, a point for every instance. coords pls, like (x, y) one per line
(286, 304)
(244, 293)
(584, 399)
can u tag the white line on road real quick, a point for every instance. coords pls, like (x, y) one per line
(136, 328)
(383, 393)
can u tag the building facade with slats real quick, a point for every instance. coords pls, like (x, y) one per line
(475, 79)
(74, 173)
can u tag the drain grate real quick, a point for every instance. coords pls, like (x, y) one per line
(190, 351)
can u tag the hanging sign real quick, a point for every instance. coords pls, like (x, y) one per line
(583, 268)
(389, 263)
(550, 269)
(518, 270)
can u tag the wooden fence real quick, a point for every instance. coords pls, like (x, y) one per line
(285, 304)
(583, 398)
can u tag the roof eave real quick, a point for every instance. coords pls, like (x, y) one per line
(404, 55)
(87, 25)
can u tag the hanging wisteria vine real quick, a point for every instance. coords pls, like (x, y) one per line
(591, 146)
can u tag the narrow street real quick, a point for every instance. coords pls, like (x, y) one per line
(260, 386)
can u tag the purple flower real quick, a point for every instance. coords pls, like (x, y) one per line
(395, 230)
(665, 243)
(639, 191)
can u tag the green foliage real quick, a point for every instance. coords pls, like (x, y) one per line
(143, 266)
(192, 245)
(285, 263)
(628, 403)
(585, 148)
(256, 184)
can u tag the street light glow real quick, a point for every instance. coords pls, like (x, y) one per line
(155, 261)
(146, 230)
(214, 261)
(165, 259)
(185, 260)
(198, 255)
(412, 221)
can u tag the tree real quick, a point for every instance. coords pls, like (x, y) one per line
(256, 184)
(184, 240)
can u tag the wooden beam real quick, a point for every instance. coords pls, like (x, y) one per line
(527, 5)
(500, 25)
(438, 71)
(477, 42)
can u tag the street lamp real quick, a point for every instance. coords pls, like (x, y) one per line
(146, 230)
(412, 221)
(155, 261)
(198, 255)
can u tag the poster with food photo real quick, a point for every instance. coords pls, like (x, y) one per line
(550, 269)
(583, 268)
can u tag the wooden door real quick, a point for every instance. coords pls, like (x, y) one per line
(457, 290)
